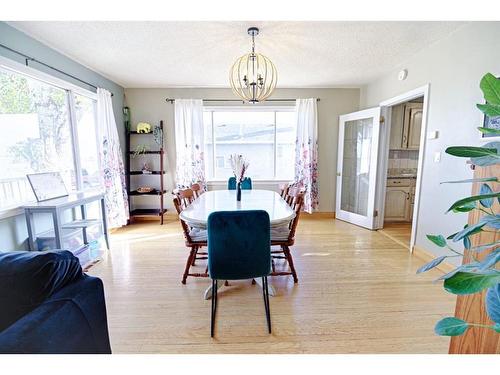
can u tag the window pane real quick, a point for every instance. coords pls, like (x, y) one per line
(209, 170)
(248, 133)
(286, 132)
(35, 117)
(85, 110)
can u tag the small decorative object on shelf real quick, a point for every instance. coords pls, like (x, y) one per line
(158, 135)
(146, 169)
(143, 127)
(145, 189)
(140, 149)
(239, 166)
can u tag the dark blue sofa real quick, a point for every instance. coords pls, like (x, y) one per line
(48, 305)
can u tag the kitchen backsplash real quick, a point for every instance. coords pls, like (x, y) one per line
(402, 162)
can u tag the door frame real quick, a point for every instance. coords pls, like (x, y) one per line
(368, 221)
(384, 154)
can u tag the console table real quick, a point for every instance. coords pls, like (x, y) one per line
(55, 207)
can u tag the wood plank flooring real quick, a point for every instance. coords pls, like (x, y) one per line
(399, 232)
(357, 293)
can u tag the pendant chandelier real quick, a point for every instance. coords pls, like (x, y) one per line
(253, 76)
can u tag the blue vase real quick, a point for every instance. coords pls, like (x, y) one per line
(238, 192)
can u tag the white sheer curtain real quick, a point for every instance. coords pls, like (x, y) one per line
(306, 151)
(189, 142)
(111, 162)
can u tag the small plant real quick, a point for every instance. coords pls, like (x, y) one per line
(477, 275)
(140, 149)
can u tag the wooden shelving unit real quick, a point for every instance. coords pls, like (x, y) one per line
(137, 212)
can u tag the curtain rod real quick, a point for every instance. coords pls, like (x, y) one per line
(27, 59)
(238, 100)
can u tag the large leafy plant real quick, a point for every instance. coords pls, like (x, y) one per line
(476, 276)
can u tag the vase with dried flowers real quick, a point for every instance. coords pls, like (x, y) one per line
(239, 165)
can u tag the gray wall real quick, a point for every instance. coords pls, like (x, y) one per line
(149, 105)
(453, 67)
(13, 230)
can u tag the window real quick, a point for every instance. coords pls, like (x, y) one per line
(36, 116)
(266, 137)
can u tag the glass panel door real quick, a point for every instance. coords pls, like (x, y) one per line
(357, 164)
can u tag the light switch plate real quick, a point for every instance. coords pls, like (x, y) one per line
(437, 157)
(432, 134)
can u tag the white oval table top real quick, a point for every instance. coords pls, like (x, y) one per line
(196, 214)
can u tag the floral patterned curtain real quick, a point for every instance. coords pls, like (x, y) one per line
(111, 162)
(189, 142)
(306, 152)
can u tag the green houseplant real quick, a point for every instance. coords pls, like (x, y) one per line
(475, 276)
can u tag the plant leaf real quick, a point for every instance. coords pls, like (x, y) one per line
(467, 243)
(492, 259)
(471, 151)
(485, 189)
(464, 267)
(469, 283)
(490, 86)
(488, 130)
(492, 221)
(466, 207)
(493, 303)
(487, 160)
(488, 109)
(464, 201)
(481, 248)
(485, 179)
(433, 263)
(451, 327)
(469, 231)
(437, 239)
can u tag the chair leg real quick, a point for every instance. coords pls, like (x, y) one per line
(288, 256)
(265, 292)
(214, 307)
(192, 254)
(194, 258)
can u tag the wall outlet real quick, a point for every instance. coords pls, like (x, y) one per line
(437, 157)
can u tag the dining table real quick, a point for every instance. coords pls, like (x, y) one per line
(196, 214)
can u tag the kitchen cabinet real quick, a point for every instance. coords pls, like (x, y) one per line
(406, 123)
(399, 199)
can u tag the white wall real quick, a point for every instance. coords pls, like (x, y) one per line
(453, 67)
(149, 105)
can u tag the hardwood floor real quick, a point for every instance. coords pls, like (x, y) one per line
(357, 293)
(399, 232)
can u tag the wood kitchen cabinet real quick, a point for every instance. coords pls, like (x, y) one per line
(399, 199)
(406, 124)
(397, 203)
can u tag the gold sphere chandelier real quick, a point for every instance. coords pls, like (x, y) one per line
(253, 76)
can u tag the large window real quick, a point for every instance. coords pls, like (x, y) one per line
(38, 135)
(266, 137)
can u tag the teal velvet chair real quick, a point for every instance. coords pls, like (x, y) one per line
(239, 247)
(246, 184)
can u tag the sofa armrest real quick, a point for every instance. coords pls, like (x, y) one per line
(73, 320)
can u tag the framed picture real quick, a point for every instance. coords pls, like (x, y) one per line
(490, 123)
(47, 185)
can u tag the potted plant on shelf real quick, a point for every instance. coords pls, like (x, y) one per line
(477, 275)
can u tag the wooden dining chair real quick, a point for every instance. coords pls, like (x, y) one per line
(185, 196)
(197, 189)
(295, 198)
(239, 248)
(284, 189)
(193, 244)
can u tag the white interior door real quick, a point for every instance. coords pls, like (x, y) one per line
(357, 167)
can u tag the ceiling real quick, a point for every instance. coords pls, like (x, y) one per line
(199, 54)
